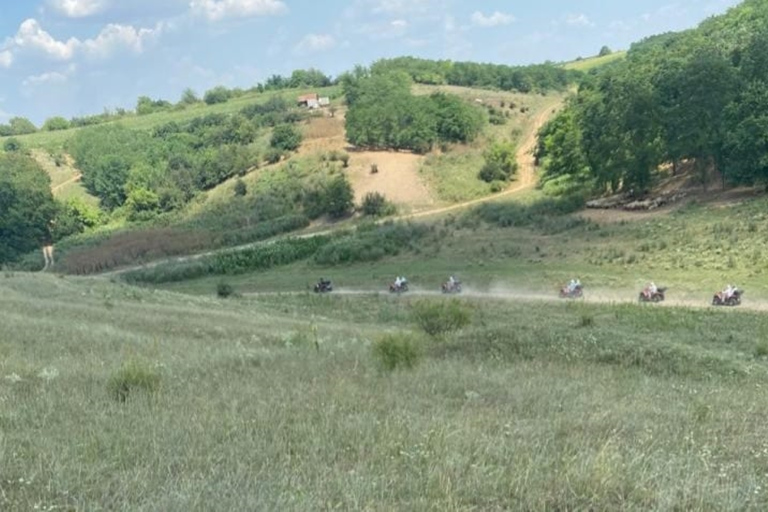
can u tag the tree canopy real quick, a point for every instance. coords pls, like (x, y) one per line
(26, 206)
(699, 95)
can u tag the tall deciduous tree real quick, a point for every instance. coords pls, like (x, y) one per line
(26, 206)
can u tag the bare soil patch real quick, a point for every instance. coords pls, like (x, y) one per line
(397, 179)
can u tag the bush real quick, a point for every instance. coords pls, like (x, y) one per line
(273, 155)
(371, 244)
(500, 163)
(286, 138)
(224, 290)
(12, 145)
(339, 197)
(437, 317)
(218, 94)
(131, 378)
(394, 351)
(241, 188)
(376, 205)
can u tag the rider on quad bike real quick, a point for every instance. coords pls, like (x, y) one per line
(730, 296)
(572, 290)
(399, 285)
(323, 285)
(453, 285)
(652, 293)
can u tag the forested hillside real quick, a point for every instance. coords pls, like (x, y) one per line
(699, 95)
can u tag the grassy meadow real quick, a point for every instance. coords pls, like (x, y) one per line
(120, 398)
(694, 248)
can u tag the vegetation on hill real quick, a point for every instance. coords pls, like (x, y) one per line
(384, 114)
(533, 78)
(698, 95)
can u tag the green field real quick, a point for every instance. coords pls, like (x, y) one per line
(591, 63)
(55, 140)
(124, 398)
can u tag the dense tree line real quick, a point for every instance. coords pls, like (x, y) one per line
(538, 77)
(384, 114)
(699, 96)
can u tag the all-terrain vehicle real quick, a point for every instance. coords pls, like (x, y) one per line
(576, 292)
(647, 296)
(724, 298)
(452, 286)
(323, 286)
(398, 288)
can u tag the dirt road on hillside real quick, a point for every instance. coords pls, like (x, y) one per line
(526, 168)
(611, 297)
(526, 179)
(73, 179)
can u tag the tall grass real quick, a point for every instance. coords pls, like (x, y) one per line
(520, 411)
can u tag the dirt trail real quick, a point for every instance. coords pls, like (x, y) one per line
(597, 297)
(526, 180)
(76, 177)
(526, 170)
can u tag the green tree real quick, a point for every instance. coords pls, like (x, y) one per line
(21, 126)
(604, 51)
(26, 206)
(339, 197)
(285, 137)
(55, 123)
(500, 164)
(218, 94)
(74, 216)
(189, 97)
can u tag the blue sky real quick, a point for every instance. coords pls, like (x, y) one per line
(75, 57)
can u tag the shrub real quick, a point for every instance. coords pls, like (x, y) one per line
(286, 138)
(437, 317)
(500, 163)
(371, 244)
(133, 377)
(376, 205)
(241, 188)
(339, 197)
(273, 155)
(224, 290)
(219, 94)
(12, 144)
(394, 351)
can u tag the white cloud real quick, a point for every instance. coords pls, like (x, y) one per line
(492, 20)
(31, 35)
(216, 10)
(578, 20)
(113, 37)
(400, 7)
(312, 43)
(51, 77)
(78, 8)
(384, 30)
(6, 59)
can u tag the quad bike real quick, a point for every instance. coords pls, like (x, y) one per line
(567, 293)
(394, 288)
(657, 296)
(720, 298)
(454, 287)
(323, 286)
